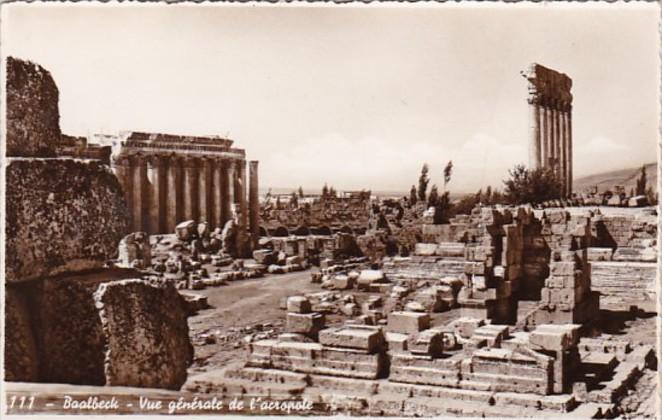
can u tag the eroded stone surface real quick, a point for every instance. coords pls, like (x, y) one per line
(63, 215)
(33, 118)
(147, 334)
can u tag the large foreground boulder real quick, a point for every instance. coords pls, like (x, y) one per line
(63, 216)
(147, 343)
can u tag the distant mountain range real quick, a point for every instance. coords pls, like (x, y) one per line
(625, 177)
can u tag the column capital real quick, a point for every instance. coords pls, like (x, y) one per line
(136, 159)
(190, 161)
(155, 160)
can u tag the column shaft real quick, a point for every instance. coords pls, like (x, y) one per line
(216, 195)
(156, 210)
(139, 201)
(230, 188)
(548, 137)
(564, 153)
(254, 204)
(535, 156)
(173, 190)
(203, 190)
(190, 182)
(569, 145)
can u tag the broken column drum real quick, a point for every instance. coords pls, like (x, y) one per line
(550, 136)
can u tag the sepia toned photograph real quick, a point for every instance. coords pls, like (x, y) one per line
(359, 209)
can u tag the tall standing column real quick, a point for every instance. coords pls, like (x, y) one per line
(173, 194)
(123, 171)
(254, 204)
(548, 136)
(216, 207)
(535, 156)
(204, 181)
(244, 245)
(569, 141)
(557, 136)
(156, 207)
(553, 137)
(190, 181)
(230, 181)
(139, 201)
(564, 152)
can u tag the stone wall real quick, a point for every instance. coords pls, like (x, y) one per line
(33, 118)
(63, 215)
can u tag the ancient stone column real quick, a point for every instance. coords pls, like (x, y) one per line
(230, 181)
(535, 143)
(190, 181)
(173, 194)
(204, 190)
(569, 147)
(564, 151)
(123, 171)
(244, 245)
(139, 196)
(549, 141)
(217, 187)
(243, 191)
(254, 204)
(156, 206)
(555, 138)
(557, 132)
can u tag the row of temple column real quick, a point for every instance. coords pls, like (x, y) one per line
(162, 191)
(551, 139)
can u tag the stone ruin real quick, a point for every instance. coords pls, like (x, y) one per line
(493, 357)
(70, 318)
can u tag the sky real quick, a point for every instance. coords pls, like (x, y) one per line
(359, 97)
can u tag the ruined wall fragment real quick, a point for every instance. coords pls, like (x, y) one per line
(33, 118)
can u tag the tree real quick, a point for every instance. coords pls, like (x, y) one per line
(412, 195)
(332, 192)
(641, 182)
(300, 192)
(448, 170)
(442, 211)
(423, 181)
(433, 197)
(278, 205)
(325, 191)
(294, 200)
(531, 185)
(487, 198)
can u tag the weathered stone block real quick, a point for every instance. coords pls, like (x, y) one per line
(298, 305)
(185, 230)
(342, 282)
(62, 216)
(429, 342)
(146, 331)
(362, 337)
(397, 342)
(307, 324)
(33, 118)
(408, 322)
(368, 277)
